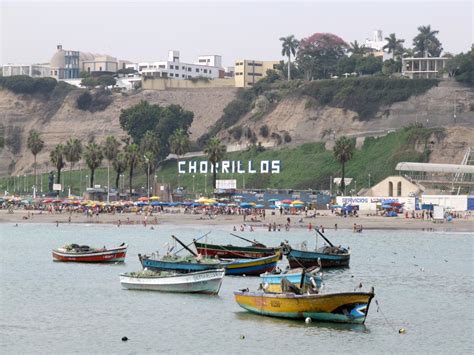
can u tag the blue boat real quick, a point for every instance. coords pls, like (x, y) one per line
(271, 282)
(193, 264)
(324, 257)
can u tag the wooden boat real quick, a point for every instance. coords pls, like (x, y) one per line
(208, 282)
(254, 251)
(350, 307)
(271, 282)
(252, 267)
(193, 264)
(86, 254)
(326, 256)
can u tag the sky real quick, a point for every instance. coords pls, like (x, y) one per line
(146, 30)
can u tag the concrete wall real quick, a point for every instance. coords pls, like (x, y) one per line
(165, 84)
(456, 202)
(383, 187)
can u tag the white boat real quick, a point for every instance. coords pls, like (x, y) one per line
(208, 281)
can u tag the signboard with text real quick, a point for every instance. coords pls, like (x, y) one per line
(229, 167)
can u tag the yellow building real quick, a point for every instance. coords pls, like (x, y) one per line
(248, 72)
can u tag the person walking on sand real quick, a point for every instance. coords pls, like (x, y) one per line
(310, 227)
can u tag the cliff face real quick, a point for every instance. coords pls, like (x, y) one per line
(298, 116)
(306, 121)
(58, 120)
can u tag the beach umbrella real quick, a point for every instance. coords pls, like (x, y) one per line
(221, 204)
(273, 207)
(297, 202)
(48, 200)
(143, 199)
(246, 205)
(387, 206)
(273, 200)
(285, 205)
(154, 198)
(286, 202)
(336, 206)
(259, 206)
(297, 205)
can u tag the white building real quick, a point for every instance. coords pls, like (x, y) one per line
(33, 70)
(209, 66)
(377, 42)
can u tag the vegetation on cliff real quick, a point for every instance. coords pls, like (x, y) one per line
(365, 95)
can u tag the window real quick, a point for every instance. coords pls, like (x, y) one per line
(189, 77)
(171, 67)
(205, 70)
(390, 188)
(171, 74)
(162, 66)
(183, 75)
(399, 189)
(184, 68)
(189, 69)
(197, 70)
(100, 68)
(249, 84)
(258, 64)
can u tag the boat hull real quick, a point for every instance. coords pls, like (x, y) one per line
(184, 267)
(232, 267)
(232, 251)
(207, 282)
(252, 267)
(338, 307)
(104, 256)
(307, 259)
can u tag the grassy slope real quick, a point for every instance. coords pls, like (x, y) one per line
(307, 166)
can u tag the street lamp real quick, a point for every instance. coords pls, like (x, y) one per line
(87, 176)
(369, 180)
(193, 182)
(205, 184)
(147, 177)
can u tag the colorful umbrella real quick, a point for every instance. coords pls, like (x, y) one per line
(297, 202)
(287, 202)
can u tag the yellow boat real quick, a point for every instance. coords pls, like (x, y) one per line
(350, 307)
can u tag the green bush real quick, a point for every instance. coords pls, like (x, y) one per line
(264, 131)
(236, 132)
(365, 95)
(84, 101)
(98, 101)
(23, 84)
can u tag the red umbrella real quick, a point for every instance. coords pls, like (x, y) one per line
(286, 202)
(48, 200)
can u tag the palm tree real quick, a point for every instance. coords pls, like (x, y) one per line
(72, 154)
(132, 153)
(394, 45)
(426, 42)
(357, 49)
(110, 148)
(57, 158)
(343, 152)
(93, 156)
(289, 46)
(179, 143)
(119, 164)
(36, 145)
(215, 152)
(150, 149)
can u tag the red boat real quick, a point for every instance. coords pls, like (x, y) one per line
(85, 254)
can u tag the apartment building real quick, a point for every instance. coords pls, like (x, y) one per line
(208, 66)
(248, 72)
(425, 68)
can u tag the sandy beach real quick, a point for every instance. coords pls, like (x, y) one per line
(323, 218)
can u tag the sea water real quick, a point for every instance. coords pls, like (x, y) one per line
(423, 283)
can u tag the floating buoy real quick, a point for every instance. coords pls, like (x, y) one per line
(402, 331)
(242, 337)
(308, 320)
(124, 338)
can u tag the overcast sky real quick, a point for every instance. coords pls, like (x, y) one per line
(146, 30)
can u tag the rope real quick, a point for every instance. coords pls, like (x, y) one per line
(379, 309)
